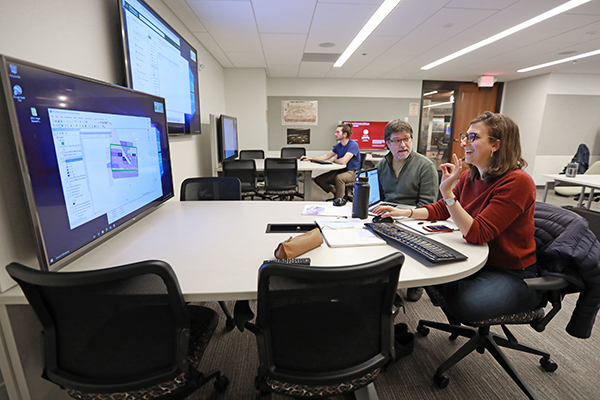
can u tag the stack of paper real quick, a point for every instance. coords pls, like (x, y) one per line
(347, 232)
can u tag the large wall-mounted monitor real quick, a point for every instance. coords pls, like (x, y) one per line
(94, 156)
(160, 62)
(368, 135)
(227, 138)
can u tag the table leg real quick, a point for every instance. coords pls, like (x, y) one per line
(545, 191)
(590, 199)
(307, 176)
(581, 196)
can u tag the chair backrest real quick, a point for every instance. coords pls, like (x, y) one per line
(326, 325)
(594, 169)
(110, 330)
(252, 154)
(293, 152)
(211, 188)
(363, 157)
(244, 170)
(281, 173)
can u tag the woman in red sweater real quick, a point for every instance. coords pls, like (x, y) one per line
(492, 202)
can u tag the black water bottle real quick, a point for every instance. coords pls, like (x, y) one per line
(360, 204)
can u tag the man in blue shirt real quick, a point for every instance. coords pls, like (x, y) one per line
(347, 154)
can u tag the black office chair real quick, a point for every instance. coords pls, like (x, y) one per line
(350, 186)
(251, 154)
(554, 228)
(293, 152)
(124, 331)
(281, 178)
(245, 171)
(322, 331)
(213, 188)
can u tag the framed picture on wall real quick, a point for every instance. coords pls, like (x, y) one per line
(299, 112)
(298, 136)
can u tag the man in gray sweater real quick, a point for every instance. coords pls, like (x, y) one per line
(405, 176)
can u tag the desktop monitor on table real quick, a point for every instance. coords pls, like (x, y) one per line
(94, 157)
(227, 138)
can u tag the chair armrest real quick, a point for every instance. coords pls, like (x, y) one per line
(546, 283)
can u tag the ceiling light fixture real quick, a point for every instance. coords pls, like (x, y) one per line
(542, 17)
(438, 104)
(430, 93)
(564, 60)
(382, 12)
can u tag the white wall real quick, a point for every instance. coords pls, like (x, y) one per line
(525, 101)
(366, 88)
(344, 87)
(246, 99)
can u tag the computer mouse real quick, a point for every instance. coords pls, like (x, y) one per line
(380, 218)
(340, 202)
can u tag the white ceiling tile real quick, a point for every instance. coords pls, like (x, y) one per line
(275, 34)
(295, 17)
(313, 69)
(337, 23)
(230, 23)
(242, 59)
(186, 15)
(213, 47)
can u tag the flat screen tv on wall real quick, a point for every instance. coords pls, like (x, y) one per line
(368, 135)
(160, 62)
(94, 157)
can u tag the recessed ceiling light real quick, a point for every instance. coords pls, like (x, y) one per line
(448, 25)
(327, 44)
(542, 17)
(567, 53)
(564, 60)
(382, 12)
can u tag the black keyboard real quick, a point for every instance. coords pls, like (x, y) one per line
(292, 261)
(322, 161)
(430, 249)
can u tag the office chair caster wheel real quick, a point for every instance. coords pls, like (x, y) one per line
(230, 324)
(441, 380)
(548, 365)
(481, 350)
(453, 336)
(261, 386)
(422, 330)
(221, 383)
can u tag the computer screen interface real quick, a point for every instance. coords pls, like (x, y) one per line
(368, 135)
(160, 62)
(93, 156)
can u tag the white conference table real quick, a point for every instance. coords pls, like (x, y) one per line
(583, 180)
(216, 248)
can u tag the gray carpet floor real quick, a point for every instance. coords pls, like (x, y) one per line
(478, 376)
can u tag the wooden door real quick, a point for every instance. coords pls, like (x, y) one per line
(470, 103)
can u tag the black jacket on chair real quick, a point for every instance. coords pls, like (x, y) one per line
(568, 249)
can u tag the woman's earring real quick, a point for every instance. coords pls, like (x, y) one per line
(492, 155)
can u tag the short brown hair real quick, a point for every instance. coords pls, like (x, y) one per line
(508, 157)
(347, 129)
(396, 126)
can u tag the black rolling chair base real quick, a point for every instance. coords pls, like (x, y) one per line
(481, 339)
